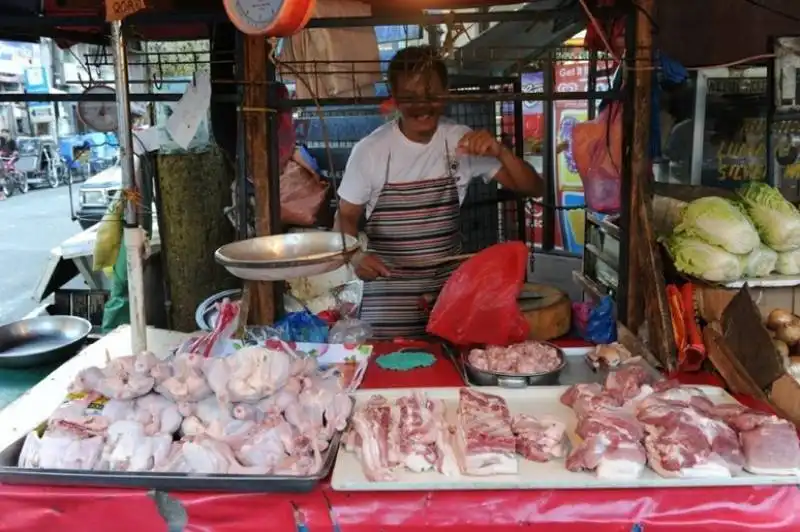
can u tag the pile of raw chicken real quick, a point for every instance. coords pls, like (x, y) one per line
(258, 411)
(628, 422)
(677, 431)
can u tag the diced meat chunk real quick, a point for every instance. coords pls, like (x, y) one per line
(610, 458)
(525, 358)
(539, 440)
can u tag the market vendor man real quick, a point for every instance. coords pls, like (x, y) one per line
(408, 179)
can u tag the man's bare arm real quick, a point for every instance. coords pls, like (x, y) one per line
(347, 217)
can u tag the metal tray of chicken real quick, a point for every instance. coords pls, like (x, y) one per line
(11, 474)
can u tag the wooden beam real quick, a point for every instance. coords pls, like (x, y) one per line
(256, 64)
(647, 301)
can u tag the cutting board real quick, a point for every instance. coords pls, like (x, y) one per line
(547, 310)
(537, 401)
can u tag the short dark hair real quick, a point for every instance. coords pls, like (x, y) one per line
(413, 60)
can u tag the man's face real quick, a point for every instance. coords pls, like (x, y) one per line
(421, 116)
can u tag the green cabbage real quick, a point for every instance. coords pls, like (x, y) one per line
(777, 220)
(760, 262)
(788, 263)
(700, 259)
(719, 222)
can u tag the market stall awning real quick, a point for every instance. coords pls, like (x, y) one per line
(82, 20)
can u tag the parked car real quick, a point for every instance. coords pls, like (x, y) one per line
(96, 193)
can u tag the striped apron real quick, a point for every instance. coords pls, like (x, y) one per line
(411, 225)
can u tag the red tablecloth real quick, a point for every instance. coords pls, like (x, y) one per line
(30, 509)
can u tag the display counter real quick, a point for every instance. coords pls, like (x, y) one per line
(32, 508)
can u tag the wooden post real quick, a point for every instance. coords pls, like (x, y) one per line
(646, 294)
(256, 64)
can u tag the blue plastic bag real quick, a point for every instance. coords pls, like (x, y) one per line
(601, 327)
(302, 326)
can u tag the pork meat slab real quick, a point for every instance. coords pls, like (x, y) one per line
(484, 442)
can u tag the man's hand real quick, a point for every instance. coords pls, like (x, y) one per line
(369, 267)
(480, 143)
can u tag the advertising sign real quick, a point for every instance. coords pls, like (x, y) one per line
(36, 82)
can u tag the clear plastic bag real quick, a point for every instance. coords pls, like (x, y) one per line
(350, 331)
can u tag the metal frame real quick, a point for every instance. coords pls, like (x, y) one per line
(427, 19)
(701, 99)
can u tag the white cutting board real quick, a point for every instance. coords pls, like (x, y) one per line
(537, 401)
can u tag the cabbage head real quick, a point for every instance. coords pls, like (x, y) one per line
(788, 262)
(719, 222)
(760, 262)
(700, 259)
(777, 220)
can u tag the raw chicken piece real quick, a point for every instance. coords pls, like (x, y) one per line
(158, 414)
(118, 380)
(249, 375)
(539, 440)
(184, 381)
(119, 410)
(60, 450)
(268, 446)
(303, 367)
(128, 448)
(610, 458)
(206, 455)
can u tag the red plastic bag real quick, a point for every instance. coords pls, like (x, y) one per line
(478, 304)
(597, 150)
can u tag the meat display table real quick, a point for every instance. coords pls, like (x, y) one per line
(38, 508)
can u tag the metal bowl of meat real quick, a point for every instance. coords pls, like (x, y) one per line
(516, 366)
(288, 256)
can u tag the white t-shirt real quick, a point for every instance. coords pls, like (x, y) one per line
(410, 161)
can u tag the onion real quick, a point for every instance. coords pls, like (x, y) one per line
(789, 334)
(779, 318)
(782, 349)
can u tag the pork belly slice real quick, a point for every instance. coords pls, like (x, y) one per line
(418, 421)
(484, 443)
(539, 440)
(376, 446)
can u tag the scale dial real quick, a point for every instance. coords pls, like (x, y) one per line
(99, 116)
(271, 18)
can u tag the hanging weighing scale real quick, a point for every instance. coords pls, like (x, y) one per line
(271, 18)
(99, 116)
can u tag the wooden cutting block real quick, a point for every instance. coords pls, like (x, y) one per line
(547, 310)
